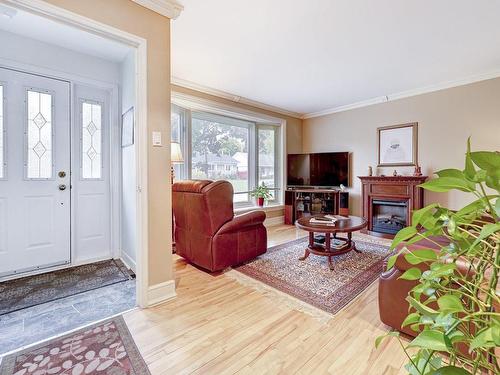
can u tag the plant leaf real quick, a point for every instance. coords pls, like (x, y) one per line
(412, 318)
(411, 274)
(487, 160)
(402, 235)
(391, 261)
(421, 308)
(449, 304)
(432, 340)
(478, 204)
(470, 171)
(493, 179)
(379, 339)
(451, 172)
(423, 213)
(483, 340)
(450, 370)
(497, 207)
(445, 184)
(486, 231)
(420, 256)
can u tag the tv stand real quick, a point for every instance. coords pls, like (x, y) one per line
(301, 202)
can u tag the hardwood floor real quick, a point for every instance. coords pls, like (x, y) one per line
(218, 326)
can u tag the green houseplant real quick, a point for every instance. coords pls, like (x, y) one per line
(456, 316)
(262, 194)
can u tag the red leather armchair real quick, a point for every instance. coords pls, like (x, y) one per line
(206, 231)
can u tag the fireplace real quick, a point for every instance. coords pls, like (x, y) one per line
(389, 216)
(388, 202)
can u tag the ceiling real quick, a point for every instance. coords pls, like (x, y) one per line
(48, 31)
(310, 56)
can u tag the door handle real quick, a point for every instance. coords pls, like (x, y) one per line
(62, 187)
(62, 174)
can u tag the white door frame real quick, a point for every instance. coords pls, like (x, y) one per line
(140, 44)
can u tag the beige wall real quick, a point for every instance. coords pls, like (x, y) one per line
(446, 118)
(135, 19)
(293, 125)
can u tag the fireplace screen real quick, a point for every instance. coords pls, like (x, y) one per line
(389, 216)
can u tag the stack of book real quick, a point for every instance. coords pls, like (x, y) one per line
(323, 220)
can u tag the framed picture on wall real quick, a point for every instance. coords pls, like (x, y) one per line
(128, 128)
(397, 145)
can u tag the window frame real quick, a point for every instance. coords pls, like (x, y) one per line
(187, 113)
(277, 160)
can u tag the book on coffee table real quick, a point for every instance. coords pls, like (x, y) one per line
(322, 221)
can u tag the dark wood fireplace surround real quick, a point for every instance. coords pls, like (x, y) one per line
(394, 189)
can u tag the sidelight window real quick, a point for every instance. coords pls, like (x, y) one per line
(91, 140)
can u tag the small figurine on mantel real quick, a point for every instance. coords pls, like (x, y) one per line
(418, 171)
(395, 173)
(370, 171)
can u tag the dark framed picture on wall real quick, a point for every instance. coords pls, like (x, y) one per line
(397, 145)
(128, 128)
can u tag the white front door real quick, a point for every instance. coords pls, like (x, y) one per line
(34, 172)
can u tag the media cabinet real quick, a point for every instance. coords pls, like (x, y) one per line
(307, 202)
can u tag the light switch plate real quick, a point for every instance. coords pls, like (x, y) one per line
(157, 139)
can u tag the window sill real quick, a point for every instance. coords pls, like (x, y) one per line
(271, 207)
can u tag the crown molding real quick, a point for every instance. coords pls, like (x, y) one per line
(406, 94)
(167, 8)
(234, 98)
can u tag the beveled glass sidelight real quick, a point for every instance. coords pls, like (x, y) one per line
(91, 147)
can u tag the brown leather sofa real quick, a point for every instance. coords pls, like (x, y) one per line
(207, 233)
(392, 291)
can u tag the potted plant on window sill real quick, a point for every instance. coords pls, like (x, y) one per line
(261, 193)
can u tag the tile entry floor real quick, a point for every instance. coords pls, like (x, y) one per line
(33, 324)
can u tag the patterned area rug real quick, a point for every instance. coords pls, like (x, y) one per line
(311, 281)
(105, 348)
(34, 290)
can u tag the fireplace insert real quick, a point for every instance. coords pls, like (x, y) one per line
(389, 216)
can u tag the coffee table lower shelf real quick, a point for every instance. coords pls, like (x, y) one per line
(326, 250)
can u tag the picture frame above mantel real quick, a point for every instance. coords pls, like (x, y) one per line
(397, 145)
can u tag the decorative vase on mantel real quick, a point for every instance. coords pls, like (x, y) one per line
(418, 171)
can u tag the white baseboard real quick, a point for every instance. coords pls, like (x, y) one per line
(160, 293)
(128, 261)
(274, 221)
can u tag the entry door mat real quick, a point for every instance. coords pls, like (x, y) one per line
(105, 348)
(311, 281)
(34, 290)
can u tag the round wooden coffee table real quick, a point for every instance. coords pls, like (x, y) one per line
(347, 225)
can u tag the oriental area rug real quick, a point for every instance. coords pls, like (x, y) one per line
(311, 281)
(105, 348)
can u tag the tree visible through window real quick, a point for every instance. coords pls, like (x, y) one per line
(214, 147)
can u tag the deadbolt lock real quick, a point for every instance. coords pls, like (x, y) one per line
(62, 174)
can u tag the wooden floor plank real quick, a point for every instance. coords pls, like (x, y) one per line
(216, 325)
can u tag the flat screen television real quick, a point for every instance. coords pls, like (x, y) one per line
(326, 169)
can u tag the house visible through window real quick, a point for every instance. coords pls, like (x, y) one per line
(245, 153)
